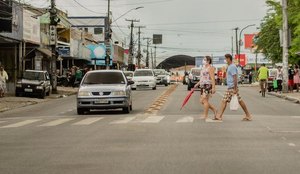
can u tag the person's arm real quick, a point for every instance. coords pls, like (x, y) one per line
(197, 84)
(235, 81)
(213, 82)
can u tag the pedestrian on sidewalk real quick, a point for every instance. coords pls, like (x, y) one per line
(250, 75)
(3, 79)
(279, 78)
(297, 77)
(291, 79)
(263, 74)
(232, 89)
(207, 86)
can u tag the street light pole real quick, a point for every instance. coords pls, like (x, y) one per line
(240, 41)
(236, 40)
(127, 13)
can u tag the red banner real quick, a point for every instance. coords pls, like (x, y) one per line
(243, 59)
(249, 41)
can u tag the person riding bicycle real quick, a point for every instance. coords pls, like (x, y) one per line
(263, 74)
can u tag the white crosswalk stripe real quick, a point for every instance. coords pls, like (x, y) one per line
(88, 121)
(153, 119)
(57, 122)
(22, 123)
(123, 120)
(185, 120)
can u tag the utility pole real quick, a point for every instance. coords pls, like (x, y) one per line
(236, 43)
(108, 45)
(154, 56)
(53, 41)
(147, 58)
(130, 56)
(152, 59)
(139, 55)
(232, 45)
(285, 53)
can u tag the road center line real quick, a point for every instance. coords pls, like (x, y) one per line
(22, 123)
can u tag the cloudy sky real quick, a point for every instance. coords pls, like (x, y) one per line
(191, 27)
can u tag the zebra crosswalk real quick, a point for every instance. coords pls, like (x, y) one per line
(52, 122)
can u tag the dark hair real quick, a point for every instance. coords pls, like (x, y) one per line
(208, 59)
(263, 64)
(229, 56)
(296, 66)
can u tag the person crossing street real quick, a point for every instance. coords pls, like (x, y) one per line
(232, 89)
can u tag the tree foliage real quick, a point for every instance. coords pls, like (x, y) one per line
(269, 38)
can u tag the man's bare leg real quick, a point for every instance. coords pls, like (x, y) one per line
(221, 111)
(244, 107)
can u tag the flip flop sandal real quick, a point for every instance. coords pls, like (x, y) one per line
(247, 119)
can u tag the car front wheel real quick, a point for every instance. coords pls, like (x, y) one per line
(42, 95)
(81, 111)
(126, 110)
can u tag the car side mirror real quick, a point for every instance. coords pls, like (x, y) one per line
(130, 82)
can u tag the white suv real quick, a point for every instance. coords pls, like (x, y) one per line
(143, 78)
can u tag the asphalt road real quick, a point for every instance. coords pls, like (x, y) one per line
(51, 138)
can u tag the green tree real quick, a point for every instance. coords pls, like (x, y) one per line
(269, 38)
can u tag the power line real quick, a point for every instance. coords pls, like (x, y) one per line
(87, 8)
(201, 22)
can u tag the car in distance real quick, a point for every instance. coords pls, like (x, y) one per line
(144, 78)
(128, 74)
(34, 83)
(194, 78)
(162, 77)
(104, 89)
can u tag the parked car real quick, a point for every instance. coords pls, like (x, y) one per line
(144, 78)
(34, 83)
(271, 78)
(128, 74)
(194, 78)
(104, 89)
(162, 77)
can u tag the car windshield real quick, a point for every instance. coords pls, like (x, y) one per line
(128, 74)
(143, 73)
(104, 78)
(33, 75)
(159, 72)
(196, 72)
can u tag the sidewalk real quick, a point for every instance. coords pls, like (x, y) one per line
(293, 97)
(11, 102)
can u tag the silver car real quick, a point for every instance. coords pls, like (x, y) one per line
(104, 89)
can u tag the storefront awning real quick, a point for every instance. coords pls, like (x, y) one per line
(45, 51)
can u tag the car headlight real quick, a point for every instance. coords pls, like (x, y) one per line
(39, 87)
(19, 85)
(83, 93)
(118, 93)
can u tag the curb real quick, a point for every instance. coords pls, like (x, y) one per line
(58, 96)
(289, 98)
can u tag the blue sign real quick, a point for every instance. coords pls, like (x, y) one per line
(217, 60)
(98, 53)
(64, 51)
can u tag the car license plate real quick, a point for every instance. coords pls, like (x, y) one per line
(103, 101)
(28, 90)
